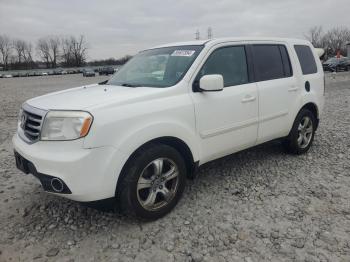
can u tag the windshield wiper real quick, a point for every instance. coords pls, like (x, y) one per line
(129, 85)
(103, 82)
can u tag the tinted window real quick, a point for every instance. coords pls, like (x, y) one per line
(230, 62)
(306, 59)
(268, 62)
(286, 61)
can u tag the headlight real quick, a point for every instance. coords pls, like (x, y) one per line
(66, 125)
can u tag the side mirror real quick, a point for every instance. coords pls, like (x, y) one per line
(211, 83)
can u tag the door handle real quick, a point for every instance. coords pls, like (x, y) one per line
(293, 89)
(248, 98)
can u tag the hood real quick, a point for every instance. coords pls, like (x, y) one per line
(82, 98)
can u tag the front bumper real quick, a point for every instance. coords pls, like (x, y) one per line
(89, 174)
(49, 183)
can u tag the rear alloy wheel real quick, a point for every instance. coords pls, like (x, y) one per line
(305, 132)
(152, 182)
(302, 134)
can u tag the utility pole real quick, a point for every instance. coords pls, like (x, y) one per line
(197, 35)
(210, 33)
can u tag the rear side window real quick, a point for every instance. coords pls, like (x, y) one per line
(306, 59)
(230, 62)
(271, 62)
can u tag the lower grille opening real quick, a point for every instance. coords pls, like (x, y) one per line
(49, 183)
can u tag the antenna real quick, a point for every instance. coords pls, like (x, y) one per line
(210, 33)
(197, 35)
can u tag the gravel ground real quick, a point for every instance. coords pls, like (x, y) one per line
(257, 205)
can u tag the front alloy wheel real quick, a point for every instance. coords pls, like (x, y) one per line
(157, 184)
(152, 182)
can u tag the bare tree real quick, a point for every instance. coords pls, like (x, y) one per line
(74, 51)
(336, 39)
(24, 53)
(5, 50)
(315, 36)
(43, 50)
(332, 41)
(48, 50)
(54, 44)
(19, 47)
(28, 53)
(67, 52)
(79, 50)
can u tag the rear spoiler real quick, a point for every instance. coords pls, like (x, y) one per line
(320, 52)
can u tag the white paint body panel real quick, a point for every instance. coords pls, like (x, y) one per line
(212, 124)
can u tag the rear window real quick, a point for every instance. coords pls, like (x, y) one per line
(271, 62)
(306, 59)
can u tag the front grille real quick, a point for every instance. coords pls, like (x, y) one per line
(31, 122)
(32, 125)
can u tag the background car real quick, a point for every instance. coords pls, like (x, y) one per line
(106, 71)
(337, 64)
(57, 71)
(24, 74)
(344, 64)
(88, 72)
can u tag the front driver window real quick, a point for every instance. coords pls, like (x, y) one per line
(230, 62)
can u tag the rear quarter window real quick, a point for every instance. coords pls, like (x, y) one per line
(306, 59)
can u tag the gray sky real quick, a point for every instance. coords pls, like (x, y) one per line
(114, 28)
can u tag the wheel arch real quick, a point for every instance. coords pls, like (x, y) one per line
(174, 142)
(314, 109)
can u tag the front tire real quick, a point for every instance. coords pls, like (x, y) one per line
(152, 182)
(302, 134)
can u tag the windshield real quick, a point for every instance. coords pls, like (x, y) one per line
(160, 67)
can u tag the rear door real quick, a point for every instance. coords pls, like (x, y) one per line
(278, 89)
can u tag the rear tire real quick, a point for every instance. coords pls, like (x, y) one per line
(302, 134)
(152, 182)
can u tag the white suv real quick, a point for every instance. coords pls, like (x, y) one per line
(138, 136)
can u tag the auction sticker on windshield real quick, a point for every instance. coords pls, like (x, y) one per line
(183, 53)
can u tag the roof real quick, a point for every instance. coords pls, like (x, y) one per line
(231, 39)
(196, 42)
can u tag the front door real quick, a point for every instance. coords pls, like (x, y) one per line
(226, 121)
